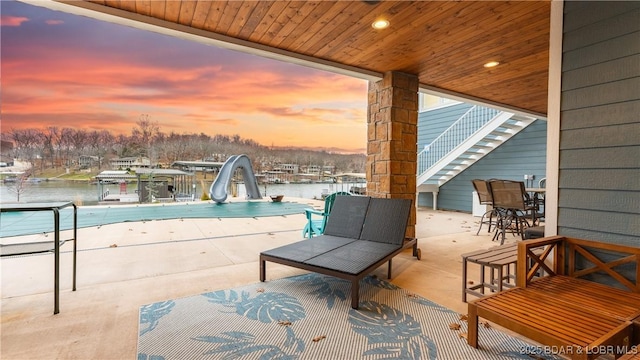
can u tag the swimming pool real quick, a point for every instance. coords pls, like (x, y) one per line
(25, 223)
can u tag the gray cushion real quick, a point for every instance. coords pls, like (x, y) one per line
(347, 216)
(353, 258)
(307, 249)
(386, 221)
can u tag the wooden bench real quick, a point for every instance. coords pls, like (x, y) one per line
(579, 318)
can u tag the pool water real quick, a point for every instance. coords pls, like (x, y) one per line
(25, 223)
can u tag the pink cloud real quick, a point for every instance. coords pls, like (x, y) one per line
(6, 20)
(54, 22)
(78, 88)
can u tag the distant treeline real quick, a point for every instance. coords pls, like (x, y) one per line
(53, 147)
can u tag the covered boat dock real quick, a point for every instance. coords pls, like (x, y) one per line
(161, 185)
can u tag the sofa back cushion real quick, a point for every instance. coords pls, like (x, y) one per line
(347, 216)
(386, 220)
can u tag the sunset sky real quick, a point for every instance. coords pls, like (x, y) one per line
(65, 70)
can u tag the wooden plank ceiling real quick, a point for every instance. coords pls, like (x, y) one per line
(445, 43)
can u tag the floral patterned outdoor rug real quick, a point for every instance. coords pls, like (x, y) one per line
(310, 317)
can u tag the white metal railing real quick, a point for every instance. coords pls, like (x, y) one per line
(473, 120)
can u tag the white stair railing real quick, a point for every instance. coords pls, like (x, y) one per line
(474, 119)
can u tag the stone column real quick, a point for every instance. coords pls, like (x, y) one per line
(392, 139)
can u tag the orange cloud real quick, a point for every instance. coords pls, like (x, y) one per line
(79, 84)
(254, 105)
(6, 20)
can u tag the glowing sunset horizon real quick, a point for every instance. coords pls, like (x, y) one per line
(65, 70)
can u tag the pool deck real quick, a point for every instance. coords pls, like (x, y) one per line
(123, 266)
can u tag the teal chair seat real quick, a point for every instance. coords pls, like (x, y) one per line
(316, 219)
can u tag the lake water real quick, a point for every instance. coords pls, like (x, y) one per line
(87, 194)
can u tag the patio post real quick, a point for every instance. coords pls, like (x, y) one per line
(392, 121)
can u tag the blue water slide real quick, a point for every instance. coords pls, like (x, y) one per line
(219, 189)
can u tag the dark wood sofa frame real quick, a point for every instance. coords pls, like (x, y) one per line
(361, 234)
(579, 317)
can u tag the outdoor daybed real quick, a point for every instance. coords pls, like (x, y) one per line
(361, 234)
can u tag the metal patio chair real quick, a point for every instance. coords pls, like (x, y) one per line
(484, 197)
(512, 204)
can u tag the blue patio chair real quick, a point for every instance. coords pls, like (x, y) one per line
(316, 220)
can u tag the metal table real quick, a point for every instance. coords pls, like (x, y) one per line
(538, 195)
(33, 248)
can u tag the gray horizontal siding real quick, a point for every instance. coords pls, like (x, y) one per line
(603, 26)
(601, 158)
(615, 92)
(590, 13)
(623, 46)
(603, 115)
(621, 224)
(599, 137)
(601, 200)
(614, 70)
(608, 179)
(599, 235)
(599, 178)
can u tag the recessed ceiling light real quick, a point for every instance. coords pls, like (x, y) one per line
(491, 64)
(380, 24)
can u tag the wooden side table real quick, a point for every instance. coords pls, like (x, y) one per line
(499, 260)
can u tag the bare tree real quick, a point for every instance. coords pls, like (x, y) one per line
(100, 142)
(122, 146)
(174, 147)
(202, 147)
(144, 134)
(20, 185)
(66, 145)
(79, 140)
(27, 144)
(56, 145)
(47, 152)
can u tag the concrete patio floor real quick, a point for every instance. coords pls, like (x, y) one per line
(123, 266)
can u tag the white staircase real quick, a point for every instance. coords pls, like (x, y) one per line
(469, 139)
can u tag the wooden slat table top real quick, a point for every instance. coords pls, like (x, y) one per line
(497, 255)
(498, 259)
(495, 249)
(547, 315)
(502, 250)
(618, 303)
(575, 311)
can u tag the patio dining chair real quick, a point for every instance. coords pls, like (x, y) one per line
(484, 198)
(317, 220)
(512, 204)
